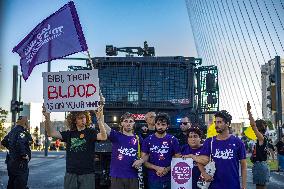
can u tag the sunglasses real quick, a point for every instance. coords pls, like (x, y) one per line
(184, 123)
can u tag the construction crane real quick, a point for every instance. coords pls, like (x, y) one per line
(146, 51)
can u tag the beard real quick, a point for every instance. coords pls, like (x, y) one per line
(161, 131)
(219, 130)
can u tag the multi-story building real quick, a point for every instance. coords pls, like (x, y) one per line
(34, 113)
(268, 95)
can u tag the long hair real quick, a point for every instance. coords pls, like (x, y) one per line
(71, 119)
(261, 125)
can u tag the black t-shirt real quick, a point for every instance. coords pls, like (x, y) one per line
(182, 139)
(259, 153)
(80, 149)
(280, 147)
(148, 133)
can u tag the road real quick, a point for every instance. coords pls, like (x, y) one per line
(48, 172)
(45, 172)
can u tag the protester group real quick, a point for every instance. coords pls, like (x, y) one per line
(143, 160)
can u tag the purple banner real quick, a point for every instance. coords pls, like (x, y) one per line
(57, 36)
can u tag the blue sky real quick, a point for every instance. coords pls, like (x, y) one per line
(163, 23)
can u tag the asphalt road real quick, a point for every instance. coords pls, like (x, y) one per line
(45, 172)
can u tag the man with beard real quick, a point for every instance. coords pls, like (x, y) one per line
(184, 125)
(157, 152)
(125, 150)
(227, 152)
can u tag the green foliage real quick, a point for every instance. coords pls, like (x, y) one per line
(3, 115)
(269, 124)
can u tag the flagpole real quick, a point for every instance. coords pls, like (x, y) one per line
(90, 59)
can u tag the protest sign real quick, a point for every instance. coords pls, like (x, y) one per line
(71, 90)
(181, 173)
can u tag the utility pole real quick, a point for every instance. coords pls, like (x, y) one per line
(14, 93)
(278, 114)
(45, 133)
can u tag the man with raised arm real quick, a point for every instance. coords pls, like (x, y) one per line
(125, 152)
(80, 146)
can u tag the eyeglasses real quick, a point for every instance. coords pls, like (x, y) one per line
(184, 123)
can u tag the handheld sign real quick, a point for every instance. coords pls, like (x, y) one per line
(181, 173)
(71, 90)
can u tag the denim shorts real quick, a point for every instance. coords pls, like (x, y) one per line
(260, 173)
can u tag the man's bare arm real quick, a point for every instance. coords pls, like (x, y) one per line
(50, 130)
(244, 173)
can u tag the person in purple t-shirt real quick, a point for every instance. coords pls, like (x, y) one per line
(192, 150)
(157, 152)
(227, 152)
(125, 149)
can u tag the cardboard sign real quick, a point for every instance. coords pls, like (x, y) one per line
(71, 91)
(181, 173)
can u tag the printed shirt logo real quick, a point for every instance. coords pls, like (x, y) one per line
(46, 35)
(22, 135)
(78, 145)
(131, 152)
(164, 149)
(226, 154)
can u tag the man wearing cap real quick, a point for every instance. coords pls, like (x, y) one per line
(18, 141)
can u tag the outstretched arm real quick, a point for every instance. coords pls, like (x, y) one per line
(259, 136)
(50, 130)
(102, 135)
(100, 116)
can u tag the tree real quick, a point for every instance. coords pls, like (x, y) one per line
(270, 124)
(3, 115)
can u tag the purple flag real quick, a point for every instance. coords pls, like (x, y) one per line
(57, 36)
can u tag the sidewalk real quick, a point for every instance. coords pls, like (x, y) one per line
(276, 180)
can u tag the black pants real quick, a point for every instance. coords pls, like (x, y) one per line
(18, 173)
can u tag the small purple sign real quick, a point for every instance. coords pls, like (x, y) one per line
(181, 173)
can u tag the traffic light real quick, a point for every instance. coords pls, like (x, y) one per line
(211, 83)
(16, 106)
(212, 98)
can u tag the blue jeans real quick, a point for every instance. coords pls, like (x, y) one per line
(281, 162)
(159, 184)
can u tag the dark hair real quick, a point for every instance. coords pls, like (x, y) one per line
(163, 117)
(261, 125)
(225, 115)
(126, 116)
(195, 130)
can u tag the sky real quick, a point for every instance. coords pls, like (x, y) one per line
(163, 23)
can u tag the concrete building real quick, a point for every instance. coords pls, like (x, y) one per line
(266, 70)
(237, 128)
(34, 113)
(57, 125)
